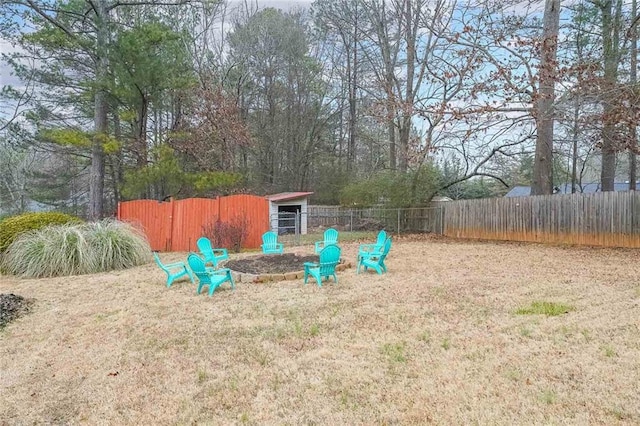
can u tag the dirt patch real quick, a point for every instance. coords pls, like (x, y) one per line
(272, 264)
(12, 307)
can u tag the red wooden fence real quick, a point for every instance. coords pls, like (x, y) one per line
(177, 225)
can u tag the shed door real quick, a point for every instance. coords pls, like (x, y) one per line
(289, 219)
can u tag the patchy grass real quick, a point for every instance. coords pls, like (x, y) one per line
(430, 342)
(549, 309)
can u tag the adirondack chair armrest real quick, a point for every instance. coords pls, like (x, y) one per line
(311, 265)
(369, 249)
(221, 271)
(370, 254)
(175, 265)
(319, 245)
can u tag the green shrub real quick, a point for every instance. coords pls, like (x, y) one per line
(74, 249)
(12, 227)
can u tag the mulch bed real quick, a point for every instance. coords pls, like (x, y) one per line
(270, 264)
(12, 307)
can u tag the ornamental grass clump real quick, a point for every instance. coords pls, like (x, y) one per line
(117, 245)
(61, 250)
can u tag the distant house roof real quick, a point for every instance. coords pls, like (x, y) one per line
(440, 198)
(284, 196)
(586, 188)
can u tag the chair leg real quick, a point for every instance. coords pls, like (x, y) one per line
(190, 275)
(233, 285)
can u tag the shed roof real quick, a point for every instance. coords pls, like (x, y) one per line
(284, 196)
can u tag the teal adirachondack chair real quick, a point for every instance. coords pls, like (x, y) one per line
(375, 260)
(368, 249)
(210, 254)
(209, 276)
(329, 259)
(173, 270)
(330, 237)
(270, 244)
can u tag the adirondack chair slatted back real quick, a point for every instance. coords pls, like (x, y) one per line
(207, 276)
(329, 259)
(270, 243)
(210, 254)
(375, 260)
(173, 270)
(159, 263)
(330, 236)
(385, 250)
(382, 237)
(369, 249)
(198, 267)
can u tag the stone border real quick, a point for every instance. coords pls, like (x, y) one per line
(242, 277)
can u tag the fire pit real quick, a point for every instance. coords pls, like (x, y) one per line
(274, 267)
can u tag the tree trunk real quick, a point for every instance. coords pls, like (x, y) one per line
(141, 133)
(353, 84)
(574, 153)
(410, 37)
(96, 174)
(633, 79)
(543, 163)
(610, 49)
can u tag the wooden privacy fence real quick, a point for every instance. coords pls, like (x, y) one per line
(610, 219)
(177, 225)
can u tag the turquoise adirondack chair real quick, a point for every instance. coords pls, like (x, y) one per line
(270, 243)
(329, 259)
(367, 249)
(208, 276)
(375, 260)
(330, 237)
(173, 270)
(210, 254)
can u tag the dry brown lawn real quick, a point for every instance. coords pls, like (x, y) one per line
(436, 340)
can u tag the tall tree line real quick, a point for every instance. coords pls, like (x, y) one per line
(124, 99)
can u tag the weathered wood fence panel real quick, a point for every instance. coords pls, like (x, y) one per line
(608, 219)
(177, 225)
(152, 217)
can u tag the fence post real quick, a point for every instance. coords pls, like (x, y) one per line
(351, 221)
(398, 221)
